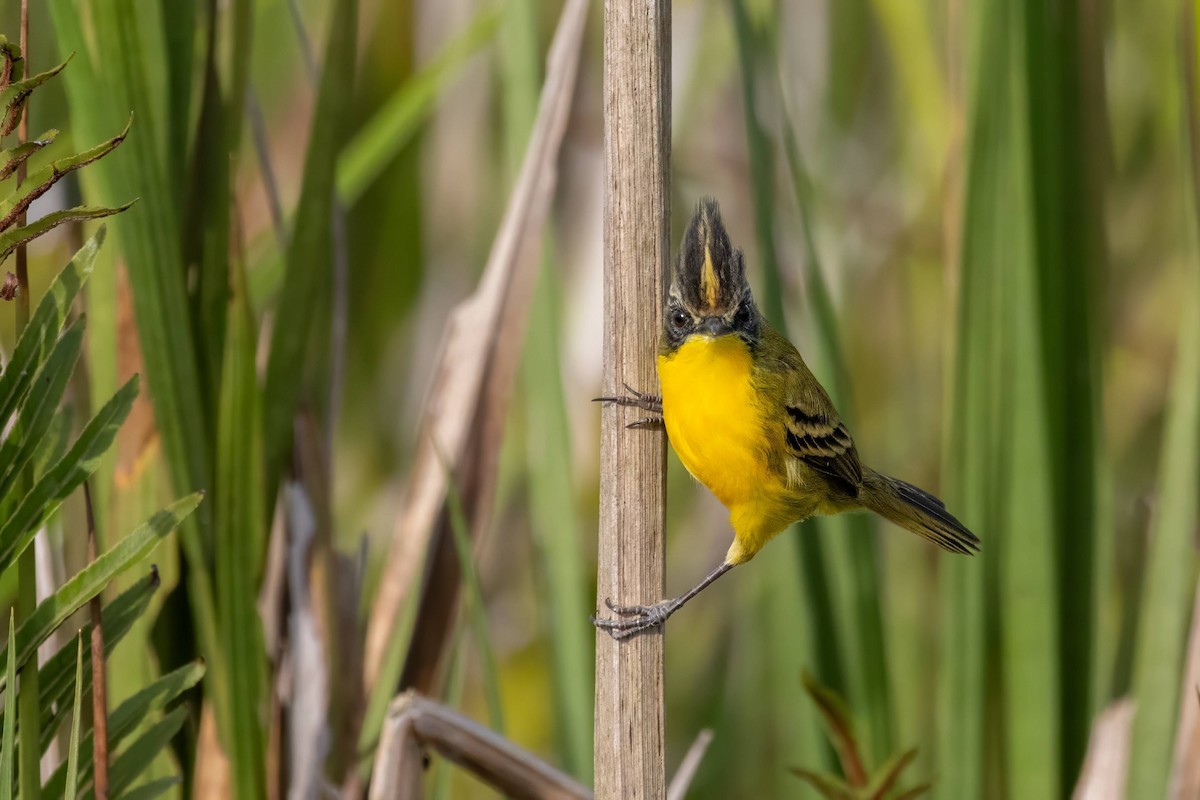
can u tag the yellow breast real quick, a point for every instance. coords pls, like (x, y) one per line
(713, 417)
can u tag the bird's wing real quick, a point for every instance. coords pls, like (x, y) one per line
(813, 431)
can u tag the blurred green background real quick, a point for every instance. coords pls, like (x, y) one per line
(977, 221)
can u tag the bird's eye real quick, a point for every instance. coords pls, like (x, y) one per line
(679, 319)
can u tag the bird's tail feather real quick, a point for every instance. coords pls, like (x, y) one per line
(916, 510)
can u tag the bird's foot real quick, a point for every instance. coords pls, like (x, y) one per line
(635, 399)
(635, 619)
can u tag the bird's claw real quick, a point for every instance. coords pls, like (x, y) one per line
(634, 618)
(635, 399)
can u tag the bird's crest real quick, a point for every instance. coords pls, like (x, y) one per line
(709, 273)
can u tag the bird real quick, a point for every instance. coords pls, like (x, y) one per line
(751, 422)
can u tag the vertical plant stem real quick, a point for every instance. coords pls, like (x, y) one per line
(28, 712)
(99, 676)
(630, 718)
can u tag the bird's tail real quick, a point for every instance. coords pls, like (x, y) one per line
(916, 510)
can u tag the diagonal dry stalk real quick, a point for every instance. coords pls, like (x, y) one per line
(415, 724)
(474, 374)
(630, 719)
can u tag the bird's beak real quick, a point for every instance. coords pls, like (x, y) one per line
(714, 327)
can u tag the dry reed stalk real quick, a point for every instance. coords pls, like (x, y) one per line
(415, 724)
(630, 719)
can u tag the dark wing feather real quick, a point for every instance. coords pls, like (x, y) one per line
(813, 431)
(822, 441)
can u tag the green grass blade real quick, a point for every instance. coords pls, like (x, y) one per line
(44, 326)
(150, 790)
(39, 408)
(125, 720)
(117, 63)
(56, 678)
(850, 551)
(179, 31)
(8, 745)
(375, 146)
(1171, 575)
(1028, 580)
(64, 477)
(137, 758)
(297, 361)
(241, 541)
(974, 434)
(72, 776)
(382, 139)
(89, 581)
(476, 610)
(1069, 159)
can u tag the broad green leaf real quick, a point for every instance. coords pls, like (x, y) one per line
(44, 326)
(64, 477)
(13, 238)
(88, 582)
(8, 745)
(54, 444)
(125, 720)
(38, 410)
(131, 764)
(72, 777)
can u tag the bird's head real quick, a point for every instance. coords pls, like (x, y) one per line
(709, 295)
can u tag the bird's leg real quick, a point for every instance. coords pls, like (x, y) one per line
(637, 618)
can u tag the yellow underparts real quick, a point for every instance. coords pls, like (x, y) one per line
(716, 425)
